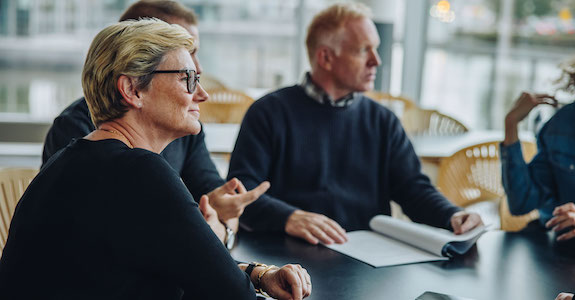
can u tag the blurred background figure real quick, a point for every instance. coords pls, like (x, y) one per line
(547, 183)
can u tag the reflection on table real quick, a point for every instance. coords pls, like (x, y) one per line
(525, 265)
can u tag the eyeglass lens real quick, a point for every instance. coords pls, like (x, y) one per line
(192, 81)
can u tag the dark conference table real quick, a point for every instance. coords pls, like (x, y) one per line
(524, 265)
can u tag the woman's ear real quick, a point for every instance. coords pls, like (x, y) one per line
(127, 87)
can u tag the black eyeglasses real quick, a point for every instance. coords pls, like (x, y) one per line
(192, 78)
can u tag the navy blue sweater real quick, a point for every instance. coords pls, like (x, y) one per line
(344, 162)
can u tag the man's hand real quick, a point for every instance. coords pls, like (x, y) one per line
(520, 110)
(564, 296)
(230, 199)
(464, 221)
(314, 228)
(212, 219)
(287, 282)
(563, 217)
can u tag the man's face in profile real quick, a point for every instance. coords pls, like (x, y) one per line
(356, 59)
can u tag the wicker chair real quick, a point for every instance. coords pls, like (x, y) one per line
(225, 106)
(431, 122)
(399, 105)
(211, 83)
(472, 177)
(13, 183)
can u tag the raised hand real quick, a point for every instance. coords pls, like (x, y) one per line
(230, 199)
(315, 228)
(524, 104)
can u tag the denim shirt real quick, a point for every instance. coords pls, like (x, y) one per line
(549, 179)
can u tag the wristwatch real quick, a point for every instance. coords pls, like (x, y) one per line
(230, 237)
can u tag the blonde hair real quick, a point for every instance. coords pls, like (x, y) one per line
(131, 48)
(328, 22)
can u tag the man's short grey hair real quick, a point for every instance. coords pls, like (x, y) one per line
(325, 26)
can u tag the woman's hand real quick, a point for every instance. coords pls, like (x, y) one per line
(563, 217)
(211, 217)
(526, 102)
(523, 106)
(287, 282)
(564, 296)
(230, 199)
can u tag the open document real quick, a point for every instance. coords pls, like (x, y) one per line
(397, 242)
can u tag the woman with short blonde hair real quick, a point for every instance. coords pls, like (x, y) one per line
(107, 217)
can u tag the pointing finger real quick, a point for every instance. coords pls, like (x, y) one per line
(254, 194)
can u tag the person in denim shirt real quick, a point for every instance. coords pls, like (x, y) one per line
(547, 183)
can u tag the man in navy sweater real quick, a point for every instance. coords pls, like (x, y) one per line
(334, 157)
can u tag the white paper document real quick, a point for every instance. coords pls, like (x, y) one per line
(397, 242)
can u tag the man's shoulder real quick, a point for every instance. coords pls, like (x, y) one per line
(76, 113)
(282, 94)
(379, 110)
(76, 108)
(184, 146)
(277, 100)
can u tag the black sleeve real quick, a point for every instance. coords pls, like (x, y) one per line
(73, 122)
(199, 172)
(411, 188)
(155, 226)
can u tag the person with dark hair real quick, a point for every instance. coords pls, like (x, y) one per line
(169, 11)
(107, 217)
(187, 155)
(547, 183)
(335, 158)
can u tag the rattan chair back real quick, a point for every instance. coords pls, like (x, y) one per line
(211, 83)
(430, 122)
(398, 104)
(225, 106)
(13, 183)
(473, 174)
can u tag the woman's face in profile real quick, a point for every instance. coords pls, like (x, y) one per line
(167, 104)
